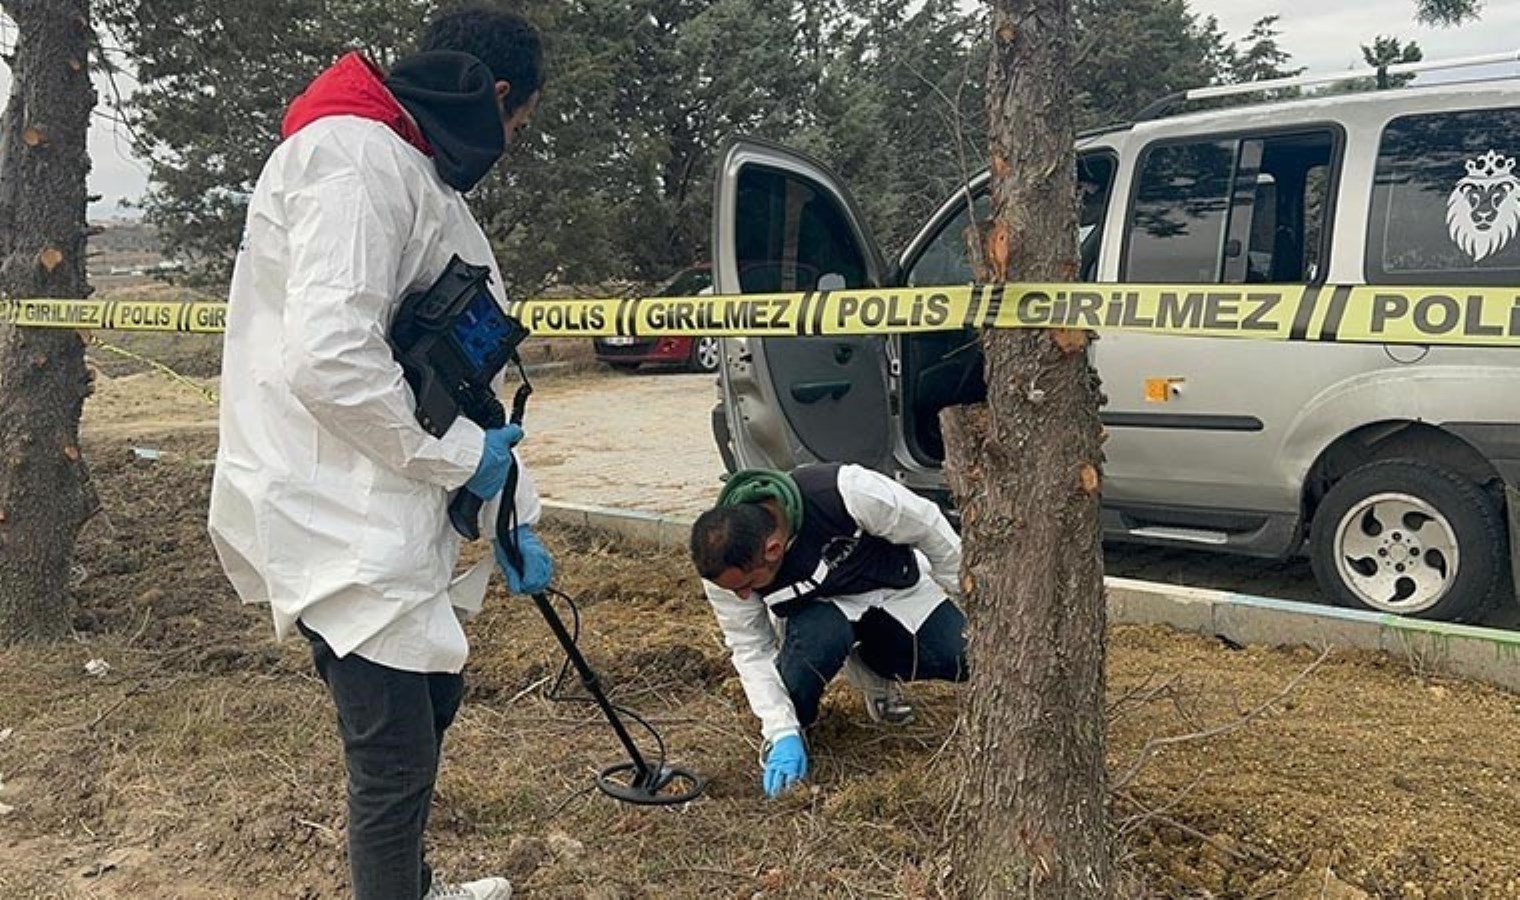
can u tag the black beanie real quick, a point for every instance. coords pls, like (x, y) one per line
(453, 98)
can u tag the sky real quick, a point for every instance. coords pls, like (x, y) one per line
(1326, 35)
(1321, 34)
(115, 173)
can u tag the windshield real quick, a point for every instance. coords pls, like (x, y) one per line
(688, 283)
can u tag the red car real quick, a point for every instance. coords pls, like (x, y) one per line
(696, 354)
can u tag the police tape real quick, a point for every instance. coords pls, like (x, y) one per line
(201, 317)
(1462, 316)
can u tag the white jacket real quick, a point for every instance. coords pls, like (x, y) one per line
(882, 507)
(329, 500)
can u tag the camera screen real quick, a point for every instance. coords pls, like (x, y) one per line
(484, 333)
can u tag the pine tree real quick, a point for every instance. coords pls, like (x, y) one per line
(1025, 470)
(45, 492)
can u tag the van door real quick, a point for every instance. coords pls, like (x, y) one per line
(784, 223)
(943, 369)
(1196, 423)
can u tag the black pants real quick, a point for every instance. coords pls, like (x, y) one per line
(819, 638)
(392, 724)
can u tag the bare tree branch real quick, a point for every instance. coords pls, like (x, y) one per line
(957, 121)
(1155, 744)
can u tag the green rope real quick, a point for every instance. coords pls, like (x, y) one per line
(759, 485)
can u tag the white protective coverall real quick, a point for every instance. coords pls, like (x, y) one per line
(329, 500)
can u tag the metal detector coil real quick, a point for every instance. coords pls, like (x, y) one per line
(670, 786)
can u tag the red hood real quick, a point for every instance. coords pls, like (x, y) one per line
(352, 87)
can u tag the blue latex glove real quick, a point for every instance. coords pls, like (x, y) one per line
(785, 766)
(538, 565)
(495, 462)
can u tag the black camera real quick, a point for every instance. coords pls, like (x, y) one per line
(451, 341)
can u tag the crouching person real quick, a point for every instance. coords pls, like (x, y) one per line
(854, 571)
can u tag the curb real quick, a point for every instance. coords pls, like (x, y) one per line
(1489, 655)
(663, 531)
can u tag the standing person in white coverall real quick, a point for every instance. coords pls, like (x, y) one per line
(329, 500)
(854, 570)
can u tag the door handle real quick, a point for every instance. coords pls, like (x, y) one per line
(813, 391)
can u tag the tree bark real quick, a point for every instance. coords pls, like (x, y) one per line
(1025, 468)
(45, 494)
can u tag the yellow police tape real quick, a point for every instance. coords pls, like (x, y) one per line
(116, 315)
(1470, 316)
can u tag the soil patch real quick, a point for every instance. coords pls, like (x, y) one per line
(203, 761)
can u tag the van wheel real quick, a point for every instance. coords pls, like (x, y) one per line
(1411, 539)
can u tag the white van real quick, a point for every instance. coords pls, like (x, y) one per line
(1394, 467)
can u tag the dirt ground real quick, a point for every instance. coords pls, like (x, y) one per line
(203, 761)
(653, 440)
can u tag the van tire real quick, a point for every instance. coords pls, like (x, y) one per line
(1400, 487)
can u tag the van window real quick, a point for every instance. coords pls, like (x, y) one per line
(1446, 200)
(791, 235)
(944, 260)
(1316, 215)
(1095, 182)
(1246, 210)
(1177, 223)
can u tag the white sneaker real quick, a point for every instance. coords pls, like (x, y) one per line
(484, 889)
(884, 698)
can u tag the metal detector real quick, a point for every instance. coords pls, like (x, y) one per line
(634, 781)
(452, 340)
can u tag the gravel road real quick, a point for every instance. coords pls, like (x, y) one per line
(644, 441)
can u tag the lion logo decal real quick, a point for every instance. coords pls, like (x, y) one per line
(1483, 213)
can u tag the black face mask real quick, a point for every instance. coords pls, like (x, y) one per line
(453, 98)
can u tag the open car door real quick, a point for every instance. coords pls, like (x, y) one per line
(783, 223)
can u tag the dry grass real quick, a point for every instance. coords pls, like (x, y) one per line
(204, 764)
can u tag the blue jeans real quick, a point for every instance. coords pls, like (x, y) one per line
(392, 724)
(818, 639)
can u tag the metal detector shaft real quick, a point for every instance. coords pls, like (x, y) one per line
(642, 775)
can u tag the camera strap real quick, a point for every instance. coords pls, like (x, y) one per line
(506, 516)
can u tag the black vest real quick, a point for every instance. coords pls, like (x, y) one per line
(830, 557)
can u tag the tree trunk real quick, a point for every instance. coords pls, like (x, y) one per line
(45, 494)
(1025, 471)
